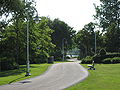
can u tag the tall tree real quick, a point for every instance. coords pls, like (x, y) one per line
(108, 14)
(85, 40)
(62, 33)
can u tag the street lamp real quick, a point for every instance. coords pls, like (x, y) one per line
(63, 41)
(95, 42)
(28, 61)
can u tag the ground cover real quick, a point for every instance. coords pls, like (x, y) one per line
(105, 77)
(10, 76)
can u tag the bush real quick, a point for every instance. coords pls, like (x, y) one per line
(111, 60)
(57, 55)
(87, 60)
(67, 57)
(116, 60)
(79, 58)
(8, 63)
(111, 55)
(107, 61)
(102, 52)
(100, 58)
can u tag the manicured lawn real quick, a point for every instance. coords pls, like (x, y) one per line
(105, 77)
(10, 76)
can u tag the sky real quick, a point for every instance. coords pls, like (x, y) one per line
(76, 13)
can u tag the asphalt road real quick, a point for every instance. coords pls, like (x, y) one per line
(58, 77)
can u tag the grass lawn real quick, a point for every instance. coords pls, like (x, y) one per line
(105, 77)
(10, 76)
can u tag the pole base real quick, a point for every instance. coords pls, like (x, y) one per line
(28, 74)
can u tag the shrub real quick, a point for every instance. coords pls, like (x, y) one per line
(111, 60)
(67, 57)
(107, 61)
(102, 52)
(116, 60)
(79, 58)
(87, 60)
(100, 58)
(8, 63)
(111, 55)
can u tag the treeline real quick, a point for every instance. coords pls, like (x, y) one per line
(48, 36)
(106, 31)
(45, 37)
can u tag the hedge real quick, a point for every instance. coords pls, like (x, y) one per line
(87, 60)
(106, 59)
(111, 60)
(100, 58)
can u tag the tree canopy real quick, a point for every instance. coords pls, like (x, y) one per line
(108, 14)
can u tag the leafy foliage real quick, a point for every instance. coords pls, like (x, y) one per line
(87, 60)
(111, 60)
(8, 63)
(102, 52)
(14, 43)
(109, 21)
(85, 40)
(62, 34)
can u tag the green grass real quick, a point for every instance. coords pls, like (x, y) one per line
(105, 77)
(7, 77)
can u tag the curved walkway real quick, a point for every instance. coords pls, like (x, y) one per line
(58, 77)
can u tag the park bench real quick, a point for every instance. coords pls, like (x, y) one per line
(91, 67)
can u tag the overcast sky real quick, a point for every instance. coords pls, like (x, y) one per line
(76, 13)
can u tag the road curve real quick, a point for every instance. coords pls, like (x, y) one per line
(58, 77)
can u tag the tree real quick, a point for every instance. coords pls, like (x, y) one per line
(40, 42)
(62, 33)
(14, 9)
(112, 38)
(108, 14)
(85, 40)
(10, 7)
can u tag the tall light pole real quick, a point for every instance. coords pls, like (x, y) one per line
(95, 42)
(63, 42)
(0, 60)
(28, 61)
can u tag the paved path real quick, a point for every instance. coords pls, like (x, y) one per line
(58, 77)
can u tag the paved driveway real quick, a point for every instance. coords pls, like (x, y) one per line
(58, 77)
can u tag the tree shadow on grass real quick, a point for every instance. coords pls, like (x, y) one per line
(12, 72)
(16, 79)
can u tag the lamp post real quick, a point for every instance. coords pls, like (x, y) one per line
(0, 60)
(28, 61)
(63, 41)
(95, 42)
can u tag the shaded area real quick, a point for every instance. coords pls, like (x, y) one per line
(12, 72)
(16, 80)
(23, 82)
(22, 69)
